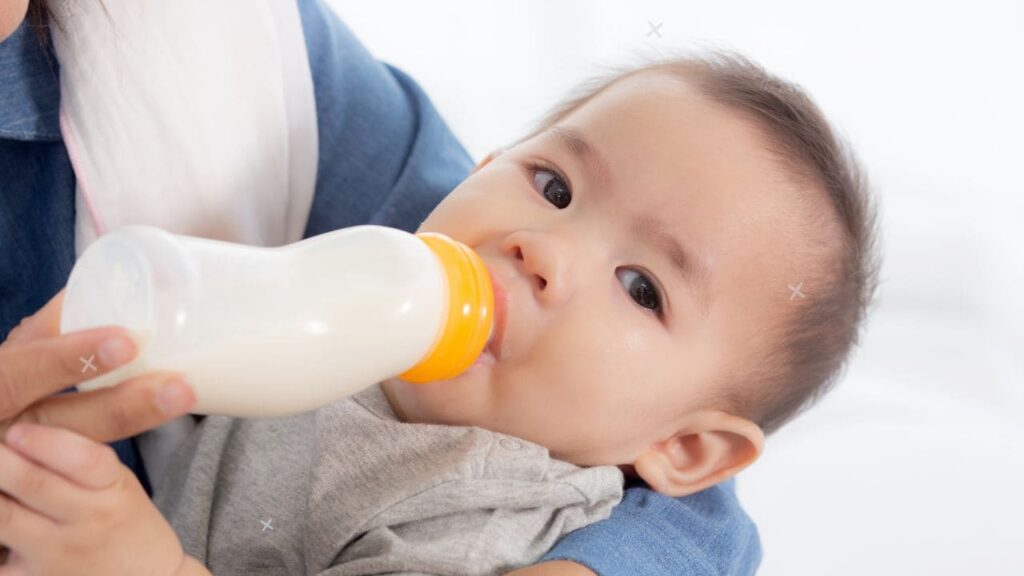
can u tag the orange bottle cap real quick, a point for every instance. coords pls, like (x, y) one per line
(470, 312)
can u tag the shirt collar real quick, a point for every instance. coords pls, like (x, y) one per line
(376, 401)
(29, 88)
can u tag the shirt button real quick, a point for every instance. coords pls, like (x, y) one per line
(511, 444)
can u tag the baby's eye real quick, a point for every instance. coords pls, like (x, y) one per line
(553, 186)
(641, 289)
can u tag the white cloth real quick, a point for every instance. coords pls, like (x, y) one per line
(196, 116)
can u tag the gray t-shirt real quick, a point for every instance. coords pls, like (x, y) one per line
(348, 489)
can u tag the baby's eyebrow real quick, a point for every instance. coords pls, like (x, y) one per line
(573, 140)
(694, 273)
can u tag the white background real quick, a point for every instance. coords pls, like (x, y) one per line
(915, 464)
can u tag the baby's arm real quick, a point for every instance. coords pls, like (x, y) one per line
(68, 506)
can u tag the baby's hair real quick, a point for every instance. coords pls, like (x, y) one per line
(802, 357)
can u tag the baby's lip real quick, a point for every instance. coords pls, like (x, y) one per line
(500, 314)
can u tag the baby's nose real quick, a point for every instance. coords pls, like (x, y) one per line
(547, 262)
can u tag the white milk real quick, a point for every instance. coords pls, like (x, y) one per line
(263, 331)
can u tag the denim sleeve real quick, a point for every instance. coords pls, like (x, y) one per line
(651, 534)
(386, 155)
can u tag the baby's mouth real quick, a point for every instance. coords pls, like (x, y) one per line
(500, 315)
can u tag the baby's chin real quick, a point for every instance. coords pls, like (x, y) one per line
(460, 401)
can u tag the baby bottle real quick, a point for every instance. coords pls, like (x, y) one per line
(265, 331)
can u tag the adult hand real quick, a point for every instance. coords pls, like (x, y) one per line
(69, 506)
(36, 361)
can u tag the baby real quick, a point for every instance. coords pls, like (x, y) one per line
(686, 253)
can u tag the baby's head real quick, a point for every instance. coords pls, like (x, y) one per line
(687, 255)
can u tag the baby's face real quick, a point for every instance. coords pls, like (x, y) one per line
(637, 267)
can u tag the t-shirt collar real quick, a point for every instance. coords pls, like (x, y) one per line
(376, 401)
(29, 88)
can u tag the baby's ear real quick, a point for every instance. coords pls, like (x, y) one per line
(487, 159)
(713, 446)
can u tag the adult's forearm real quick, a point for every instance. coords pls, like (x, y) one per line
(553, 568)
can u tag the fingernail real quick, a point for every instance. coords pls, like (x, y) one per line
(16, 435)
(174, 398)
(116, 351)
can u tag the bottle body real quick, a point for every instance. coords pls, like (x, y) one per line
(263, 331)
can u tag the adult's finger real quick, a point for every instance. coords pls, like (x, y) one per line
(64, 454)
(109, 414)
(35, 487)
(22, 528)
(34, 369)
(43, 324)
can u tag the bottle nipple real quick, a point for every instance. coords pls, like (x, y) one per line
(469, 325)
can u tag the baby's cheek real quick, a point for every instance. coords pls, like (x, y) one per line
(635, 342)
(612, 360)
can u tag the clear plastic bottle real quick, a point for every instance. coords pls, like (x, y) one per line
(273, 331)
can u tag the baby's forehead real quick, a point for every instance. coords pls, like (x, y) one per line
(662, 125)
(658, 140)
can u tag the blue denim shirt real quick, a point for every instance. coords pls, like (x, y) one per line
(386, 157)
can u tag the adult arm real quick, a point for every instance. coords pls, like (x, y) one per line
(386, 155)
(703, 534)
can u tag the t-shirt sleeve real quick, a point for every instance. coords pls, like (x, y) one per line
(386, 155)
(704, 534)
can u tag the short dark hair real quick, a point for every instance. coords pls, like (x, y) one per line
(805, 354)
